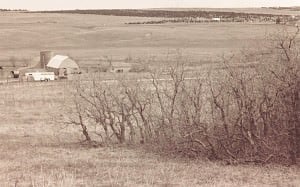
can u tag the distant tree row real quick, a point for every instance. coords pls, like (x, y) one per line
(13, 10)
(284, 8)
(167, 13)
(207, 20)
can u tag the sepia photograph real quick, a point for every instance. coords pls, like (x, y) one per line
(166, 93)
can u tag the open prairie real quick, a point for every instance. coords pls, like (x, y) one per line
(88, 38)
(38, 149)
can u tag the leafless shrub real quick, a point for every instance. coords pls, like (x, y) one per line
(241, 113)
(256, 111)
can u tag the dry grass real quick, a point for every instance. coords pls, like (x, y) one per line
(76, 166)
(88, 38)
(36, 151)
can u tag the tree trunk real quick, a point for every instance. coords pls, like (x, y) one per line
(84, 130)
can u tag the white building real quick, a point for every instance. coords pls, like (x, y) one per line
(216, 19)
(62, 65)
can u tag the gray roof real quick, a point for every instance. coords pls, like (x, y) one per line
(59, 61)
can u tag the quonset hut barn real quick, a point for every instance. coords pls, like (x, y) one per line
(62, 66)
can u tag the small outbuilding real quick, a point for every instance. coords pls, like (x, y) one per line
(15, 74)
(216, 19)
(119, 67)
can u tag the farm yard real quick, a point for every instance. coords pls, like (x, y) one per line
(40, 147)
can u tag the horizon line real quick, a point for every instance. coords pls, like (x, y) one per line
(253, 7)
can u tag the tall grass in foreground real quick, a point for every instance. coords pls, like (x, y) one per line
(125, 167)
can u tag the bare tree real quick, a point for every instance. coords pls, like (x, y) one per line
(244, 111)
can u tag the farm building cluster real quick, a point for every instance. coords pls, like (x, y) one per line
(50, 67)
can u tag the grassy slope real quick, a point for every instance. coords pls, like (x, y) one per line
(36, 150)
(90, 37)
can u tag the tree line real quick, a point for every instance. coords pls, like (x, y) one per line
(167, 13)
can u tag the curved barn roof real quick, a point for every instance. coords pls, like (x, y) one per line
(59, 61)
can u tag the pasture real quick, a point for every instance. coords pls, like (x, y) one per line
(91, 38)
(38, 149)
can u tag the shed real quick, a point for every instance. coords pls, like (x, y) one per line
(119, 67)
(216, 19)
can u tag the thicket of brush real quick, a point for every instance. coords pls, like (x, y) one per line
(244, 113)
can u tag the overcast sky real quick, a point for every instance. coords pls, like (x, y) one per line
(104, 4)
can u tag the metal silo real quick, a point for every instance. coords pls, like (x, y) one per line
(45, 58)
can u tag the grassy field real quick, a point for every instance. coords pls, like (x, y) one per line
(88, 38)
(37, 149)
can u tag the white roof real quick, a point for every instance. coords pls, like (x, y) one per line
(60, 61)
